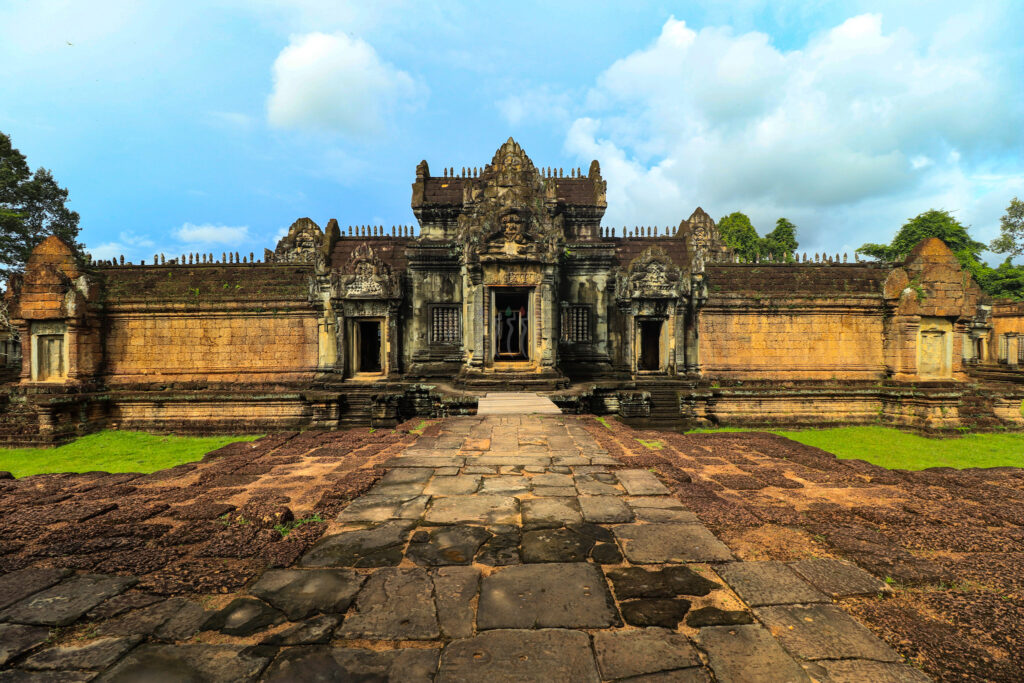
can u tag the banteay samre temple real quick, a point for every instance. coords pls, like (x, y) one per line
(510, 282)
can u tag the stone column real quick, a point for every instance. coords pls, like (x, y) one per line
(546, 302)
(476, 293)
(392, 339)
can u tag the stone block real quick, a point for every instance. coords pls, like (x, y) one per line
(670, 543)
(769, 583)
(526, 655)
(814, 632)
(839, 579)
(545, 596)
(748, 654)
(394, 604)
(621, 654)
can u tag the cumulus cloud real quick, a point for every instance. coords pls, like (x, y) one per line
(207, 233)
(858, 121)
(338, 83)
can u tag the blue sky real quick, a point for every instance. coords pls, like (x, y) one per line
(211, 126)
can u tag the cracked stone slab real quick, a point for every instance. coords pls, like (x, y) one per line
(670, 543)
(823, 632)
(839, 579)
(321, 663)
(546, 513)
(243, 616)
(542, 655)
(24, 582)
(315, 631)
(769, 583)
(605, 509)
(95, 655)
(459, 485)
(621, 654)
(748, 654)
(375, 547)
(17, 638)
(454, 590)
(371, 508)
(302, 593)
(446, 545)
(572, 595)
(394, 604)
(187, 663)
(858, 670)
(475, 509)
(64, 603)
(171, 619)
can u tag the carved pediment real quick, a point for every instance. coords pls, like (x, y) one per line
(652, 275)
(302, 244)
(366, 276)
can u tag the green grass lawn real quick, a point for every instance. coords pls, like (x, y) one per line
(113, 451)
(894, 449)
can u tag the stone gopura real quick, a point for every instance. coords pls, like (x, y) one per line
(510, 281)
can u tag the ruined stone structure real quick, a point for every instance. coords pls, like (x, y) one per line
(510, 281)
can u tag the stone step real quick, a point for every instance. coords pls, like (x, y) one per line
(516, 403)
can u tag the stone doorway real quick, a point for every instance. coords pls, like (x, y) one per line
(650, 345)
(512, 325)
(369, 347)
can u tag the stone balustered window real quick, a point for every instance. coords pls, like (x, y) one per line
(1020, 350)
(445, 325)
(1004, 345)
(578, 324)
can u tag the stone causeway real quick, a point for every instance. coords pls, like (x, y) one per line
(507, 548)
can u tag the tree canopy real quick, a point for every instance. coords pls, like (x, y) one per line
(32, 207)
(1011, 230)
(739, 233)
(1007, 280)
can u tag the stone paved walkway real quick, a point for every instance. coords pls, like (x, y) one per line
(516, 403)
(506, 548)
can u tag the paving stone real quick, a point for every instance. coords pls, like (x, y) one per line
(24, 582)
(64, 603)
(120, 604)
(459, 485)
(546, 513)
(476, 509)
(553, 492)
(605, 460)
(379, 546)
(454, 590)
(394, 604)
(769, 583)
(506, 655)
(507, 485)
(302, 593)
(621, 654)
(605, 509)
(511, 469)
(563, 480)
(96, 655)
(320, 663)
(502, 549)
(748, 654)
(378, 508)
(839, 579)
(859, 670)
(556, 545)
(658, 502)
(691, 675)
(243, 616)
(185, 619)
(447, 545)
(171, 619)
(315, 631)
(713, 616)
(662, 516)
(594, 531)
(535, 469)
(606, 553)
(479, 469)
(406, 475)
(588, 486)
(447, 471)
(636, 582)
(187, 663)
(823, 632)
(412, 488)
(477, 445)
(545, 596)
(409, 460)
(22, 676)
(17, 638)
(571, 460)
(641, 483)
(660, 543)
(520, 460)
(665, 612)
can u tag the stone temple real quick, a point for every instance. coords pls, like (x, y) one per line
(510, 282)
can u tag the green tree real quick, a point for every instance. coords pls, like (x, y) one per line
(32, 207)
(738, 232)
(1007, 280)
(1011, 230)
(781, 242)
(931, 223)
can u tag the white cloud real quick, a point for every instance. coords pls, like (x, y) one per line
(858, 130)
(337, 83)
(212, 234)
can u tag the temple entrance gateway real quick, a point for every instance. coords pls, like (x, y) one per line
(512, 318)
(369, 346)
(650, 345)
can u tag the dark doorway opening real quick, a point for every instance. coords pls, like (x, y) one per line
(369, 346)
(650, 345)
(512, 326)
